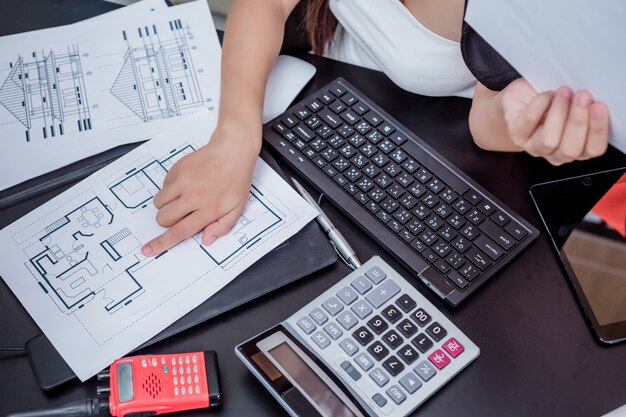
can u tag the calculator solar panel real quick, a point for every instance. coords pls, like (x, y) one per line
(427, 213)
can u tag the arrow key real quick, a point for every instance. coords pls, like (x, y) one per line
(410, 382)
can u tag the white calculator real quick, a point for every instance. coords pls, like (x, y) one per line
(371, 345)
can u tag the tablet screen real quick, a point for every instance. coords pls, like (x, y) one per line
(596, 251)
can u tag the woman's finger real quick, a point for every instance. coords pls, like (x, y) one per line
(597, 139)
(222, 225)
(528, 120)
(548, 137)
(182, 230)
(575, 132)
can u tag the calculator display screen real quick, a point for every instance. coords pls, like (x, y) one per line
(311, 384)
(124, 381)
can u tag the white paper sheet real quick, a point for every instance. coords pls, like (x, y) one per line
(76, 266)
(562, 42)
(71, 92)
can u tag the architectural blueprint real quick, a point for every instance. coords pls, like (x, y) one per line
(93, 85)
(75, 263)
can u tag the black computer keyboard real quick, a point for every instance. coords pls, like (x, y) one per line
(421, 208)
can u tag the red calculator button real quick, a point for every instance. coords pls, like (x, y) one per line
(453, 347)
(439, 359)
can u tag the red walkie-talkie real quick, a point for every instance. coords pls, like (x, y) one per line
(144, 386)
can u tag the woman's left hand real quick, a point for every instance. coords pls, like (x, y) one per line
(559, 126)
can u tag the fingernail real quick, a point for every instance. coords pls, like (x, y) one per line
(583, 99)
(207, 240)
(147, 250)
(565, 92)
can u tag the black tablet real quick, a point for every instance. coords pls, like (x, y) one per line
(585, 218)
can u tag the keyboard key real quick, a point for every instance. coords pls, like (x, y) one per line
(377, 324)
(425, 370)
(379, 377)
(456, 221)
(392, 339)
(439, 359)
(378, 350)
(362, 335)
(326, 98)
(421, 317)
(487, 208)
(362, 309)
(475, 217)
(360, 108)
(462, 206)
(333, 306)
(376, 275)
(410, 165)
(455, 260)
(364, 361)
(410, 382)
(396, 394)
(473, 197)
(436, 331)
(470, 232)
(306, 325)
(516, 231)
(373, 118)
(302, 113)
(458, 280)
(393, 365)
(501, 237)
(379, 400)
(500, 218)
(391, 313)
(347, 295)
(338, 90)
(333, 331)
(422, 342)
(304, 133)
(453, 347)
(406, 303)
(349, 346)
(407, 328)
(408, 354)
(349, 99)
(347, 320)
(383, 293)
(478, 258)
(318, 315)
(469, 271)
(321, 340)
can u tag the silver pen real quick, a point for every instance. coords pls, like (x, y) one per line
(340, 244)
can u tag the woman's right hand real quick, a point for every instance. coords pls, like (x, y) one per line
(206, 190)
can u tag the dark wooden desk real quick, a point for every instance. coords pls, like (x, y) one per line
(537, 355)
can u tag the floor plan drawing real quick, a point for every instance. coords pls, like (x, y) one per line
(138, 185)
(78, 255)
(158, 79)
(46, 93)
(259, 217)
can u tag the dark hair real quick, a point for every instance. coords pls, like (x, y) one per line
(320, 24)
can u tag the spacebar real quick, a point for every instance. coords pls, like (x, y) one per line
(444, 173)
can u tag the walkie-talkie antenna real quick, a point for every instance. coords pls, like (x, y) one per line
(82, 408)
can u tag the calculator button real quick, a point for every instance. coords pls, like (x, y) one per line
(333, 306)
(144, 363)
(363, 336)
(362, 309)
(318, 315)
(410, 382)
(396, 394)
(453, 347)
(163, 361)
(176, 391)
(196, 379)
(393, 365)
(333, 331)
(364, 361)
(180, 360)
(350, 370)
(349, 346)
(194, 359)
(173, 361)
(197, 389)
(376, 275)
(439, 359)
(379, 400)
(195, 369)
(306, 325)
(187, 360)
(347, 295)
(392, 339)
(407, 328)
(174, 371)
(181, 370)
(189, 379)
(421, 317)
(406, 303)
(347, 320)
(362, 285)
(436, 331)
(422, 342)
(378, 350)
(175, 381)
(408, 354)
(188, 369)
(379, 376)
(391, 313)
(183, 390)
(153, 362)
(383, 293)
(321, 340)
(377, 324)
(425, 370)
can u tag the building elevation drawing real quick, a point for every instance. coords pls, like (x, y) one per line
(46, 93)
(157, 79)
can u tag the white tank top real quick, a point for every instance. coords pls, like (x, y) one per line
(383, 35)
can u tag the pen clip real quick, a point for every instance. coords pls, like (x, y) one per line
(345, 261)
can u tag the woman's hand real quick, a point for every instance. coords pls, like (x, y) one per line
(559, 126)
(206, 190)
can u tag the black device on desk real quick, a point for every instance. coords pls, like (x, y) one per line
(589, 237)
(434, 219)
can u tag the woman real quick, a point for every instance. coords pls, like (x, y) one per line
(416, 43)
